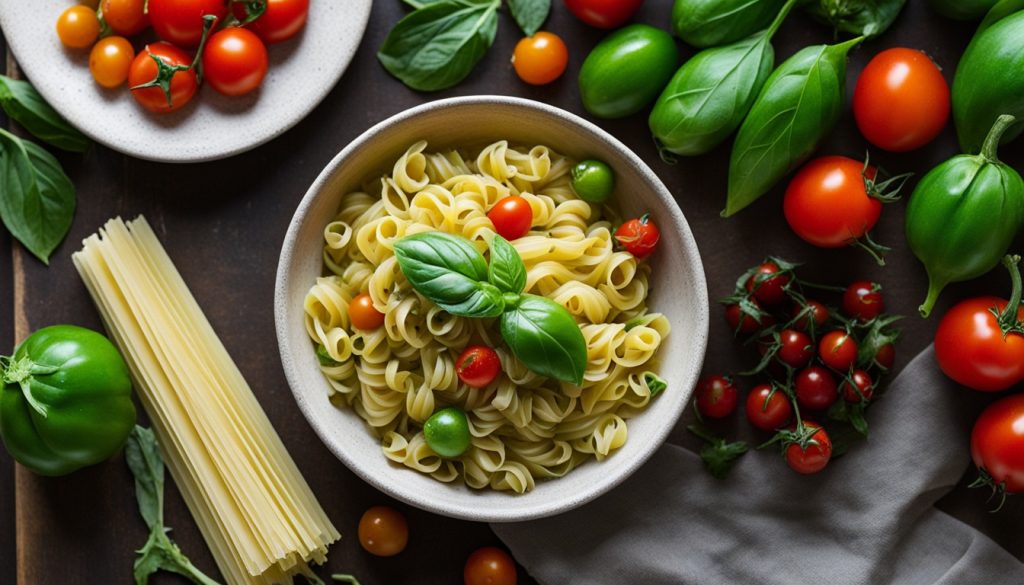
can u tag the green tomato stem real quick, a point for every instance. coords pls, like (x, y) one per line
(934, 288)
(990, 148)
(1008, 319)
(779, 19)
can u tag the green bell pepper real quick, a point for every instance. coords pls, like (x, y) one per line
(964, 214)
(66, 402)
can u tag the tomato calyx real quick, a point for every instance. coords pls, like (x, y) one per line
(253, 9)
(998, 489)
(1007, 319)
(887, 191)
(718, 454)
(165, 73)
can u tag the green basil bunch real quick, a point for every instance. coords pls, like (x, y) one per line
(860, 17)
(711, 93)
(712, 23)
(450, 272)
(797, 108)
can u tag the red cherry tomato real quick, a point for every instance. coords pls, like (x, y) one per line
(767, 289)
(716, 396)
(813, 457)
(282, 19)
(478, 366)
(997, 443)
(796, 350)
(861, 389)
(838, 350)
(489, 566)
(740, 322)
(604, 13)
(768, 409)
(901, 101)
(125, 17)
(827, 203)
(234, 61)
(972, 350)
(815, 388)
(886, 356)
(512, 217)
(363, 314)
(183, 84)
(638, 236)
(812, 312)
(863, 300)
(383, 531)
(540, 59)
(180, 22)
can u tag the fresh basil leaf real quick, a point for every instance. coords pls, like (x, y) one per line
(147, 466)
(529, 14)
(506, 271)
(438, 45)
(543, 335)
(656, 383)
(450, 272)
(25, 106)
(860, 17)
(797, 108)
(325, 358)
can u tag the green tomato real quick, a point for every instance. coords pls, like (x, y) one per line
(627, 70)
(66, 402)
(447, 432)
(593, 181)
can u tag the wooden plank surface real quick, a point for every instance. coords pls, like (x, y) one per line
(223, 223)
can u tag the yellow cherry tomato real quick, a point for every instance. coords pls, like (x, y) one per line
(110, 60)
(540, 59)
(78, 27)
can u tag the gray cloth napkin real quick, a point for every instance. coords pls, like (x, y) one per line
(868, 518)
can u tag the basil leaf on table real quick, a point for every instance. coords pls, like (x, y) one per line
(37, 200)
(543, 335)
(450, 272)
(506, 271)
(529, 14)
(25, 106)
(438, 45)
(860, 17)
(797, 108)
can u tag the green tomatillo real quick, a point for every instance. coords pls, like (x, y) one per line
(447, 432)
(66, 400)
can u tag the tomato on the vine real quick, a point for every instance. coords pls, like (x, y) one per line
(886, 356)
(110, 60)
(827, 203)
(810, 312)
(281, 20)
(813, 456)
(512, 217)
(716, 396)
(180, 22)
(901, 101)
(815, 388)
(78, 27)
(234, 61)
(383, 531)
(838, 350)
(997, 443)
(768, 408)
(604, 13)
(863, 300)
(741, 322)
(795, 349)
(638, 236)
(861, 389)
(143, 72)
(489, 566)
(540, 59)
(769, 290)
(363, 314)
(125, 17)
(478, 366)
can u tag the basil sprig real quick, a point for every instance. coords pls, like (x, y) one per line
(860, 17)
(452, 273)
(25, 106)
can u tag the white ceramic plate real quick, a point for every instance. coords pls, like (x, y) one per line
(677, 283)
(211, 126)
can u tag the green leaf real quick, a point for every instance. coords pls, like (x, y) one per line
(530, 14)
(656, 383)
(878, 335)
(506, 270)
(25, 106)
(324, 358)
(438, 45)
(798, 107)
(718, 455)
(450, 272)
(860, 17)
(146, 464)
(544, 336)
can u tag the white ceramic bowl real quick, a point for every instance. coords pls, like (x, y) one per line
(302, 71)
(678, 290)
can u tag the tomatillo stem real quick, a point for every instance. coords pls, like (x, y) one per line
(990, 148)
(1008, 319)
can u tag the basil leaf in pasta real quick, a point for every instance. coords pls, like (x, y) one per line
(450, 272)
(544, 336)
(23, 103)
(655, 383)
(506, 271)
(529, 14)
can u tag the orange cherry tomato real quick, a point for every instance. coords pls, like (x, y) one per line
(490, 566)
(183, 83)
(512, 217)
(383, 531)
(78, 27)
(363, 314)
(540, 59)
(110, 61)
(125, 17)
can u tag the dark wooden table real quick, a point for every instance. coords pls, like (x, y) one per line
(223, 223)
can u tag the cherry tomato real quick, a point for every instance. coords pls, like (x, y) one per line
(838, 349)
(363, 314)
(489, 566)
(768, 409)
(812, 312)
(512, 217)
(863, 300)
(901, 101)
(447, 432)
(234, 61)
(540, 59)
(716, 396)
(282, 19)
(125, 17)
(180, 22)
(383, 531)
(183, 84)
(478, 366)
(827, 202)
(78, 27)
(997, 443)
(863, 390)
(604, 13)
(971, 348)
(815, 388)
(734, 316)
(886, 356)
(638, 236)
(767, 289)
(796, 350)
(110, 60)
(813, 457)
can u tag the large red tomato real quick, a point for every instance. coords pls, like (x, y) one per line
(971, 348)
(997, 443)
(827, 202)
(235, 61)
(180, 22)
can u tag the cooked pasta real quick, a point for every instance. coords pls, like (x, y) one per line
(523, 426)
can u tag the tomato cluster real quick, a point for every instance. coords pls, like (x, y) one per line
(814, 360)
(220, 42)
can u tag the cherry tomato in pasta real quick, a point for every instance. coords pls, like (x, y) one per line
(540, 59)
(383, 531)
(478, 366)
(78, 27)
(489, 566)
(363, 314)
(638, 236)
(512, 217)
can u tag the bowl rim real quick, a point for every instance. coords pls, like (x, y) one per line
(422, 501)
